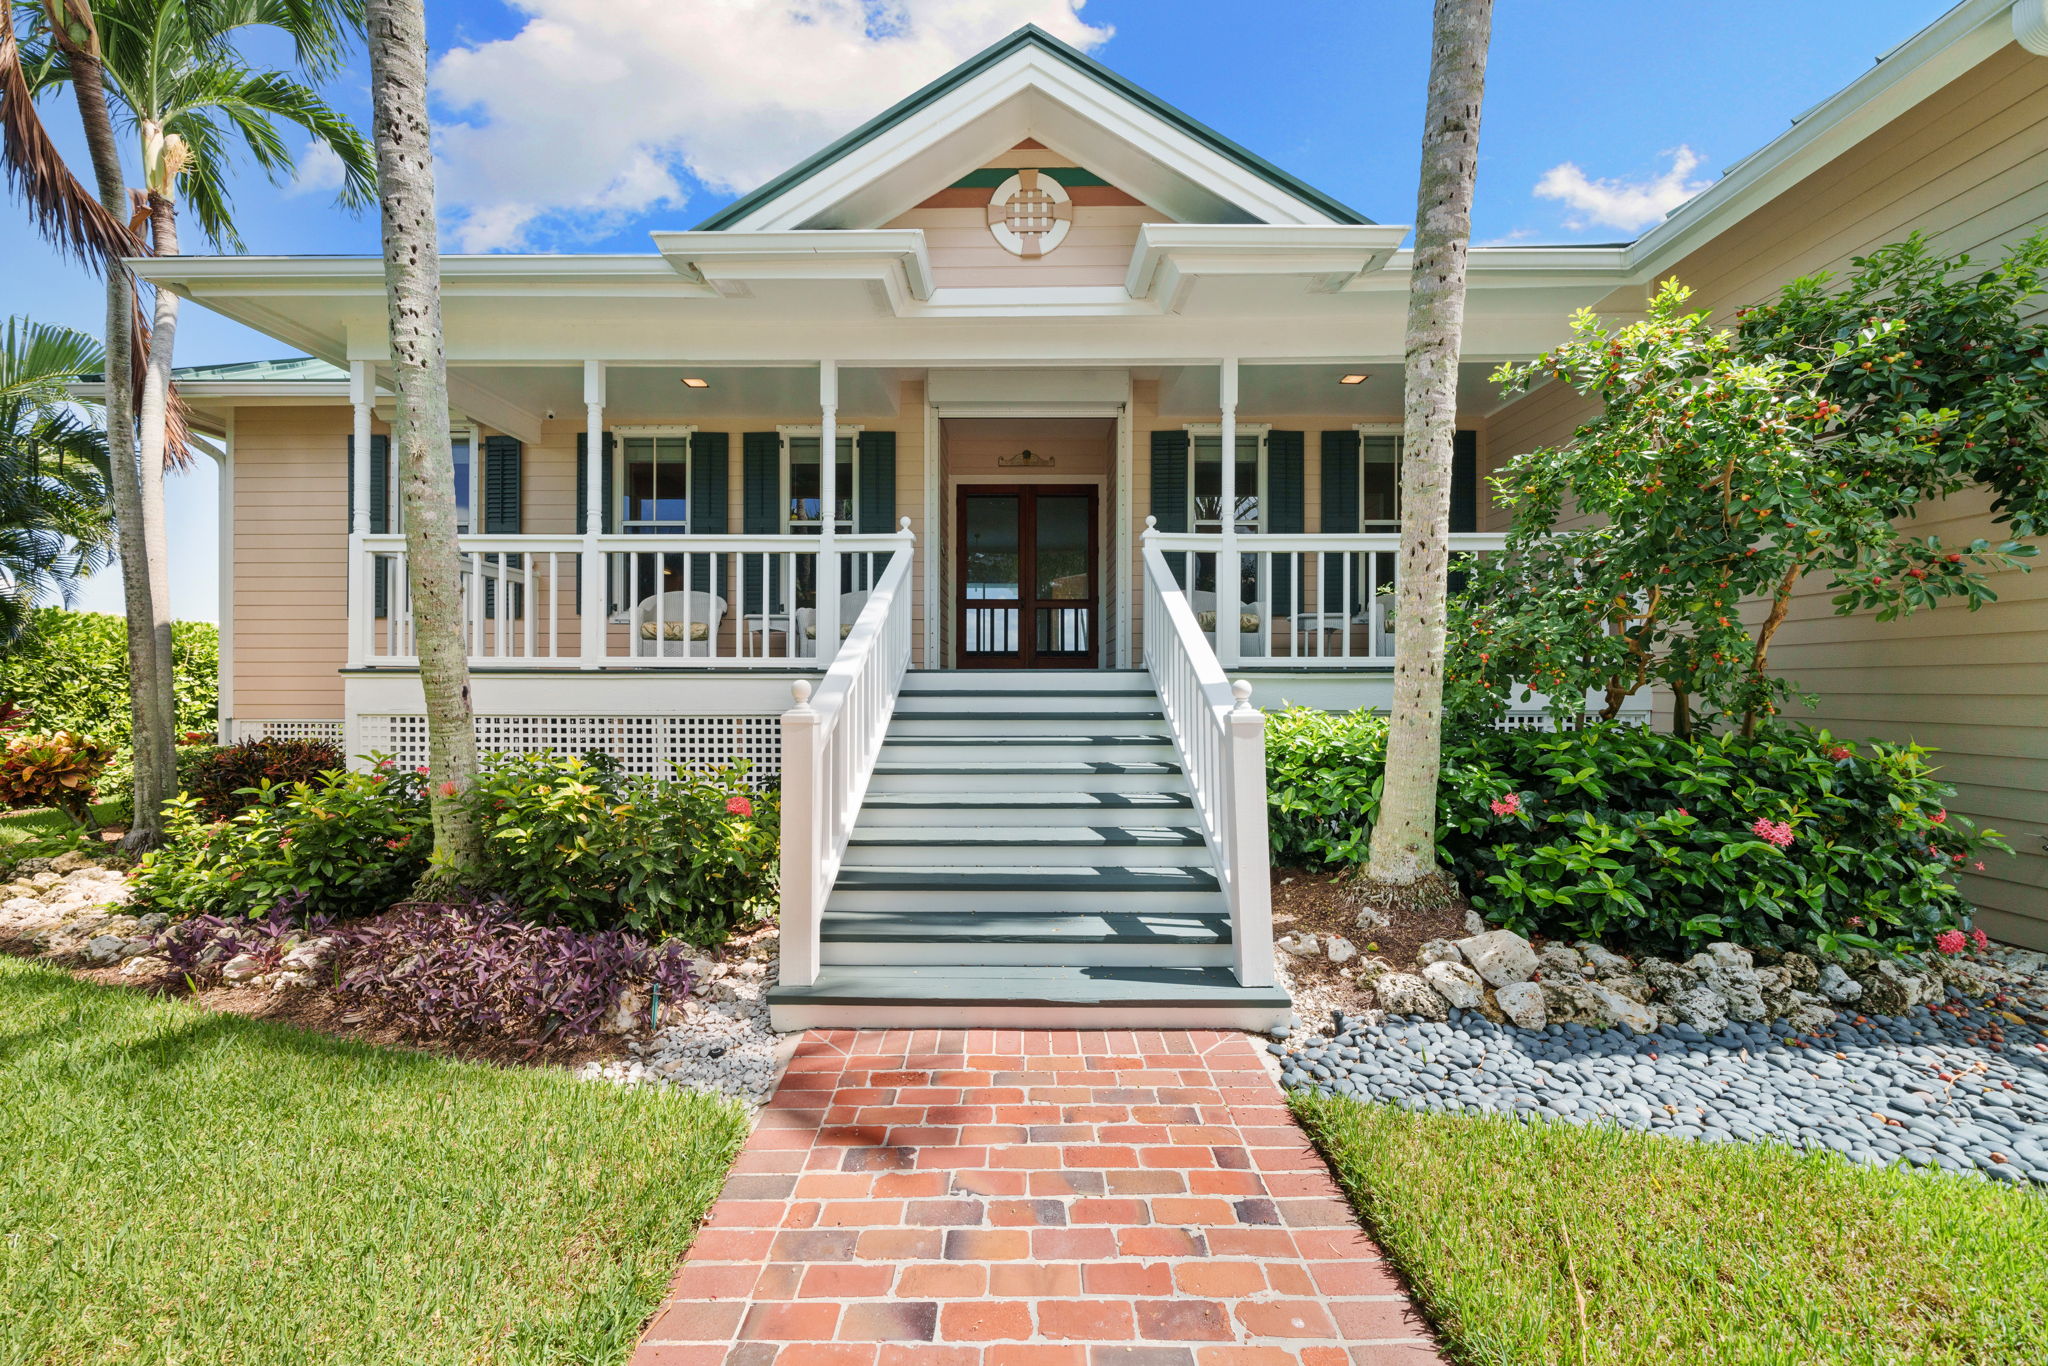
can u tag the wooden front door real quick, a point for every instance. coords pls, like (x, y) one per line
(1028, 577)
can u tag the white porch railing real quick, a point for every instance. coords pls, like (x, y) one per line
(1299, 601)
(671, 602)
(829, 744)
(1221, 738)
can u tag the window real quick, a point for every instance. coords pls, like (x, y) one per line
(803, 482)
(1379, 478)
(652, 477)
(463, 446)
(1205, 499)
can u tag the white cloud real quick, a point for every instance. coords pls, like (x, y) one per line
(600, 110)
(320, 170)
(1630, 205)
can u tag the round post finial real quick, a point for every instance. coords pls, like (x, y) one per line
(1242, 691)
(800, 689)
(903, 526)
(1151, 525)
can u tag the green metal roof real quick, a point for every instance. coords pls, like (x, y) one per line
(1030, 36)
(291, 368)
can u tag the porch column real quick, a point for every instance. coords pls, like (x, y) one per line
(828, 523)
(1228, 608)
(362, 602)
(596, 572)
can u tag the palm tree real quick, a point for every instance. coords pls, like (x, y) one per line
(176, 80)
(169, 65)
(1404, 839)
(412, 290)
(55, 523)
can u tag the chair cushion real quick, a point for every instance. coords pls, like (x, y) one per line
(673, 630)
(811, 630)
(1248, 621)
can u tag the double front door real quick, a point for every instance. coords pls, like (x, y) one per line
(1029, 577)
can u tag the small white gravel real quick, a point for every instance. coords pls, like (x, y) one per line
(722, 1044)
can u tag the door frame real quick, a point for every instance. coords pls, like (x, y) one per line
(1028, 491)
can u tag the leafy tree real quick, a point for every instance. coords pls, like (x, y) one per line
(1726, 468)
(1404, 839)
(55, 523)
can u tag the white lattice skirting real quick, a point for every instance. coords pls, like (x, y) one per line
(641, 744)
(332, 731)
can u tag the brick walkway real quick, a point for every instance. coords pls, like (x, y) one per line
(1006, 1198)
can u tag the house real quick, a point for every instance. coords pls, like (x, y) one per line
(957, 474)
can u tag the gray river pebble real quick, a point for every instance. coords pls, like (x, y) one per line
(1963, 1092)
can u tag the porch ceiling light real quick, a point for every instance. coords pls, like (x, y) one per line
(695, 383)
(1352, 379)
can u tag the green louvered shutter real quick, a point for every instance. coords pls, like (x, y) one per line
(380, 509)
(504, 477)
(1170, 488)
(1464, 493)
(1285, 515)
(874, 508)
(708, 499)
(1342, 452)
(760, 510)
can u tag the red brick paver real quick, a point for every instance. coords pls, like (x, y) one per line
(1032, 1198)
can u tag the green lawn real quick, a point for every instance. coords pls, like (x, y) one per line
(1550, 1243)
(19, 829)
(179, 1186)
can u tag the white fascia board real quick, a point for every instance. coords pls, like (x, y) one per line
(813, 254)
(1028, 75)
(1601, 268)
(1938, 54)
(198, 276)
(1167, 252)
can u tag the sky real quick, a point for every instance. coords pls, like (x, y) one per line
(582, 125)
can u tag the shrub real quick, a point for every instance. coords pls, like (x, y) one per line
(59, 769)
(198, 949)
(346, 843)
(223, 778)
(70, 672)
(1664, 842)
(481, 969)
(573, 841)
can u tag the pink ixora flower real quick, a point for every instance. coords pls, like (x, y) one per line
(449, 789)
(1510, 805)
(1950, 941)
(1838, 752)
(421, 770)
(1980, 939)
(738, 806)
(1941, 817)
(1978, 865)
(1775, 832)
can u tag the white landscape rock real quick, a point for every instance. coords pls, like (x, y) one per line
(1838, 986)
(1604, 962)
(1372, 918)
(1403, 993)
(1475, 923)
(1560, 959)
(1522, 1003)
(1339, 949)
(1300, 944)
(243, 967)
(1461, 988)
(1439, 951)
(1502, 957)
(1624, 1010)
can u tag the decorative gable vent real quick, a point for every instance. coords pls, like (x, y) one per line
(1029, 213)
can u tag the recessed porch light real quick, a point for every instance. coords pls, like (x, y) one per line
(695, 383)
(1352, 379)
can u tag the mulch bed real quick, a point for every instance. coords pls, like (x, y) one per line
(1323, 904)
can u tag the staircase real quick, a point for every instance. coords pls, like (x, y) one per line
(1027, 854)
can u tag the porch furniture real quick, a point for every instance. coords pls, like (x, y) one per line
(1249, 624)
(850, 605)
(760, 625)
(676, 625)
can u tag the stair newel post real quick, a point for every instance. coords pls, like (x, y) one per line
(803, 839)
(1250, 857)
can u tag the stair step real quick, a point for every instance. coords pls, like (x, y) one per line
(999, 741)
(884, 877)
(1018, 775)
(1060, 846)
(1014, 808)
(1026, 938)
(970, 995)
(981, 714)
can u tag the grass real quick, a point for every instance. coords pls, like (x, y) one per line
(1531, 1242)
(180, 1186)
(19, 830)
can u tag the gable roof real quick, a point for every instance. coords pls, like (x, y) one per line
(1030, 38)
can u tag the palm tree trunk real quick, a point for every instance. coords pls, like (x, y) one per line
(1404, 839)
(412, 284)
(151, 728)
(153, 424)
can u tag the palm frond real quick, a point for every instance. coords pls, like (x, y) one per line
(62, 208)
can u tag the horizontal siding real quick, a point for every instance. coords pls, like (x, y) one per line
(964, 254)
(1969, 168)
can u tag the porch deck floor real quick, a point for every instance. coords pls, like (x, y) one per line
(1032, 1198)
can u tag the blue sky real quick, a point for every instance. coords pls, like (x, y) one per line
(580, 125)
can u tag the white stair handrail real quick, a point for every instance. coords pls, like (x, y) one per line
(830, 741)
(1221, 739)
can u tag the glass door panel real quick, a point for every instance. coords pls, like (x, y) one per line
(1028, 570)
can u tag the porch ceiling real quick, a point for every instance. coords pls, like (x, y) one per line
(657, 394)
(1312, 390)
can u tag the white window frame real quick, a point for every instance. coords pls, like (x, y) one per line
(457, 431)
(844, 431)
(1400, 433)
(1196, 430)
(657, 431)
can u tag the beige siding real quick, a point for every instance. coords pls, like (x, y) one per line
(964, 254)
(1969, 168)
